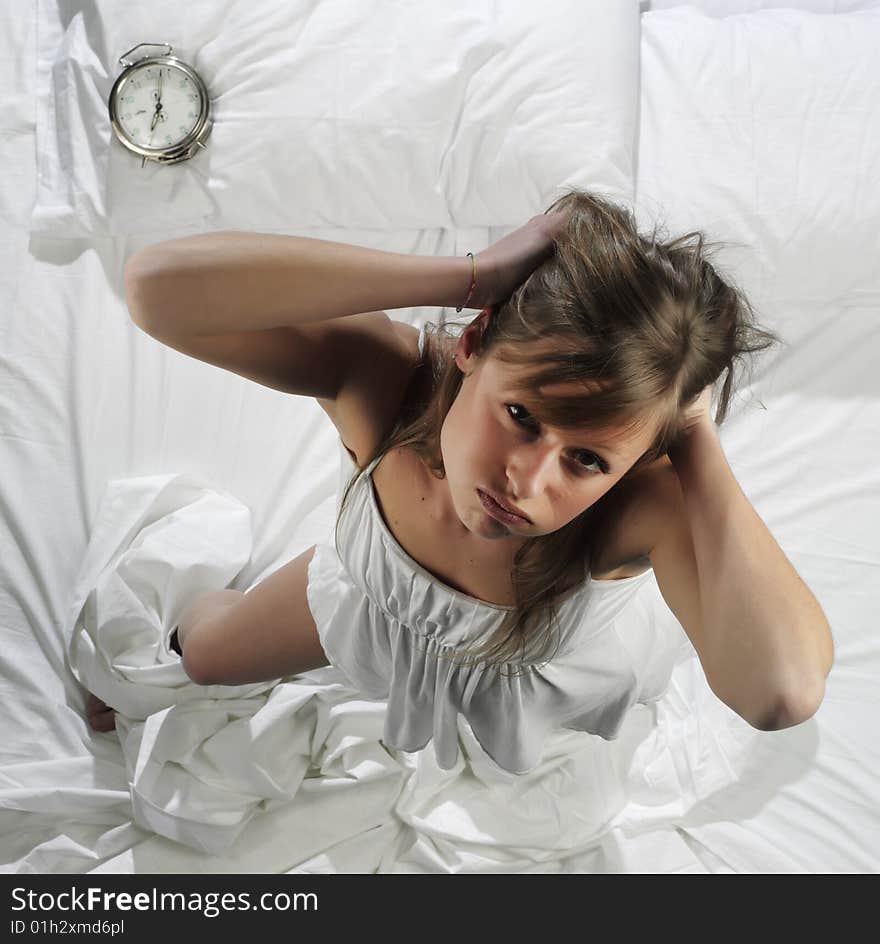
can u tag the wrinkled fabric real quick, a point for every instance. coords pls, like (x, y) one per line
(293, 773)
(202, 761)
(398, 633)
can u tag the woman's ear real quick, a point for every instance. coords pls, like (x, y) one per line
(471, 338)
(464, 348)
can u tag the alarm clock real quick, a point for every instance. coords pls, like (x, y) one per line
(159, 107)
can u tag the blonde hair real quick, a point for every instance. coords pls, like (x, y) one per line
(643, 324)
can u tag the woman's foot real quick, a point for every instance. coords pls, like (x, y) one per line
(101, 717)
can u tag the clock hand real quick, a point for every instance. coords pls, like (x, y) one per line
(158, 103)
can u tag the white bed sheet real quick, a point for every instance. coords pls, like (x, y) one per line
(772, 144)
(87, 400)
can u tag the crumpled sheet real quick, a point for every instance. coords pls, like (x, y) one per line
(211, 766)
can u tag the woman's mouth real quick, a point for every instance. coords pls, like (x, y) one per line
(501, 514)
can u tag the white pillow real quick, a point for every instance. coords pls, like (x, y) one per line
(734, 7)
(762, 130)
(342, 113)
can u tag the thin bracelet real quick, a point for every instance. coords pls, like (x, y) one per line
(473, 283)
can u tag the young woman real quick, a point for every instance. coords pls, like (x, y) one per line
(510, 485)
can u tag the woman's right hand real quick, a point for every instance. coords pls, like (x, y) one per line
(506, 264)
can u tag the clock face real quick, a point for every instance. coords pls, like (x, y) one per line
(157, 105)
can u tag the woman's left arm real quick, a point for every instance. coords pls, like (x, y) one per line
(760, 620)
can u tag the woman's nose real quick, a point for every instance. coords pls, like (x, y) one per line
(527, 471)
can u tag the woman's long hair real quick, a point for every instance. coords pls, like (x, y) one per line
(644, 325)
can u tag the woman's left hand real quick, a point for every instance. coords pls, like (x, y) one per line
(699, 411)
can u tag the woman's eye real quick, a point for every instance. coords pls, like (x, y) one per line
(517, 406)
(585, 460)
(589, 459)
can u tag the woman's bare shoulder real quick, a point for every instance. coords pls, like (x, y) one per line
(366, 405)
(625, 533)
(407, 333)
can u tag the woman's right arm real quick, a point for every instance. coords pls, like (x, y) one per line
(227, 282)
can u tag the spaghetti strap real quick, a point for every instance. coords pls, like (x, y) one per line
(373, 463)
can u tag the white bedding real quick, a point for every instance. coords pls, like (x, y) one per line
(134, 478)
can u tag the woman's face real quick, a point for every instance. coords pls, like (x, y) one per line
(551, 475)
